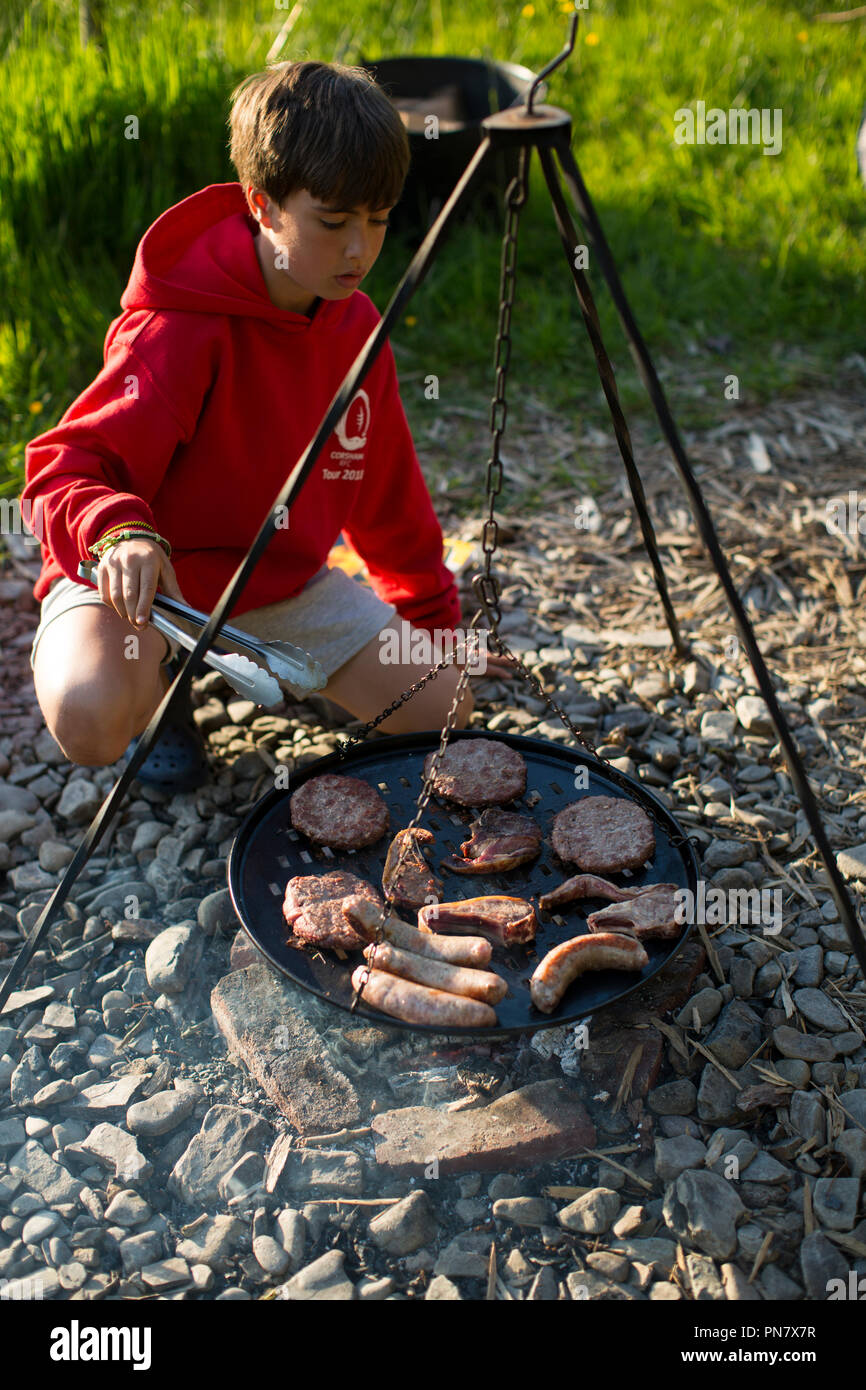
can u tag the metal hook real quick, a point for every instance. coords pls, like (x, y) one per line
(554, 62)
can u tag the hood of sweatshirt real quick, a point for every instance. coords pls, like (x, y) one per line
(200, 256)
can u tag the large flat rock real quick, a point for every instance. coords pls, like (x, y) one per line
(539, 1122)
(256, 1016)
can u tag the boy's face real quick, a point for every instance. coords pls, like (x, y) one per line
(307, 249)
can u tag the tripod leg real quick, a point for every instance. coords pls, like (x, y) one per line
(595, 235)
(608, 381)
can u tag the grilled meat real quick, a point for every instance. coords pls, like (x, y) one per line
(416, 884)
(585, 886)
(500, 840)
(313, 908)
(650, 913)
(510, 921)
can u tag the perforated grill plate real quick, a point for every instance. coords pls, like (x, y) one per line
(267, 852)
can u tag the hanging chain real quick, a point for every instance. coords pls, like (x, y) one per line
(486, 584)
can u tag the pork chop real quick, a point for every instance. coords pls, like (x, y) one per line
(500, 840)
(510, 921)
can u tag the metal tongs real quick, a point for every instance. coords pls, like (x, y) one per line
(284, 659)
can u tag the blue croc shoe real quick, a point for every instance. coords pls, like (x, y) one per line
(177, 761)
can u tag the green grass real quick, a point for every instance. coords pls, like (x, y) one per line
(712, 242)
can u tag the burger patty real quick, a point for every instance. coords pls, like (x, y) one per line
(479, 772)
(602, 834)
(340, 812)
(313, 908)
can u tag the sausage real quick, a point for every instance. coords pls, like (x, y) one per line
(418, 1004)
(454, 950)
(454, 979)
(604, 951)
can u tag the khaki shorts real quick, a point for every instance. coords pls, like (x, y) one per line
(332, 618)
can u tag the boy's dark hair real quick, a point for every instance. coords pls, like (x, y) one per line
(325, 127)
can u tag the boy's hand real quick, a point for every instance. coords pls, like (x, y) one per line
(129, 575)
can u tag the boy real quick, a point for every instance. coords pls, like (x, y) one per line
(241, 317)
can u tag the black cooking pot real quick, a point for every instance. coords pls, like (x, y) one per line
(437, 164)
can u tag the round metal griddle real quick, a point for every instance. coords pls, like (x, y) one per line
(267, 852)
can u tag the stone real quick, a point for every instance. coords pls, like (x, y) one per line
(213, 1242)
(14, 798)
(465, 1257)
(703, 1278)
(243, 1178)
(754, 715)
(591, 1214)
(819, 1010)
(765, 1168)
(27, 998)
(127, 1208)
(851, 1144)
(55, 1093)
(255, 1013)
(216, 913)
(324, 1279)
(110, 1095)
(60, 1017)
(674, 1098)
(706, 1004)
(43, 1175)
(244, 953)
(673, 1156)
(12, 823)
(702, 1208)
(736, 1036)
(543, 1121)
(270, 1255)
(172, 956)
(441, 1290)
(587, 1286)
(79, 801)
(852, 862)
(406, 1226)
(140, 1249)
(724, 854)
(292, 1232)
(736, 1285)
(807, 963)
(337, 1170)
(523, 1211)
(821, 1261)
(807, 1116)
(835, 1202)
(12, 1134)
(165, 1274)
(777, 1286)
(227, 1133)
(804, 1046)
(609, 1264)
(39, 1227)
(116, 1150)
(717, 1098)
(718, 726)
(160, 1113)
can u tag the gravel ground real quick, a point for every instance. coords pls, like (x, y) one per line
(708, 1142)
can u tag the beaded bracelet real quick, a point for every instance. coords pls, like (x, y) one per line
(126, 526)
(105, 543)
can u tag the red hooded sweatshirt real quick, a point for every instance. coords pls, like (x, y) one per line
(208, 397)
